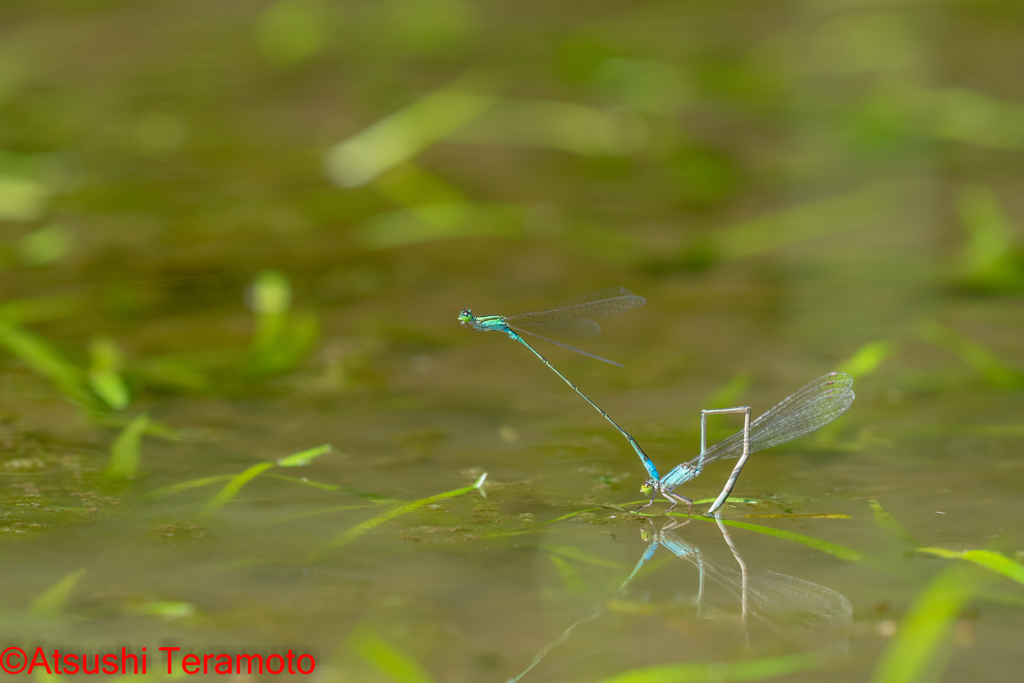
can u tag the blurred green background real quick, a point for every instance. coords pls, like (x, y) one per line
(234, 232)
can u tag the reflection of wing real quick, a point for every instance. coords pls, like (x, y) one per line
(792, 608)
(810, 607)
(789, 606)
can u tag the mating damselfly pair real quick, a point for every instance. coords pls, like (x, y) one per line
(808, 409)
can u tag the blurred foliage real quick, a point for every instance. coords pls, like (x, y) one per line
(920, 651)
(990, 261)
(125, 456)
(396, 665)
(53, 601)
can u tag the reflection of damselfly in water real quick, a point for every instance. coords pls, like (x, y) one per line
(773, 599)
(790, 609)
(808, 409)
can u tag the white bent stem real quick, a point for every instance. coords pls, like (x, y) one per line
(743, 458)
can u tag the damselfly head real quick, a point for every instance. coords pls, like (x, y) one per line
(466, 316)
(647, 486)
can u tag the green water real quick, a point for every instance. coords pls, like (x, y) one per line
(233, 232)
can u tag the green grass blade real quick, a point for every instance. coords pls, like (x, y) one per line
(52, 602)
(105, 373)
(238, 481)
(574, 553)
(815, 515)
(360, 529)
(308, 482)
(732, 499)
(315, 513)
(280, 339)
(983, 558)
(755, 670)
(920, 649)
(730, 393)
(996, 373)
(976, 118)
(435, 222)
(190, 484)
(171, 373)
(125, 452)
(43, 308)
(573, 514)
(842, 552)
(168, 609)
(405, 133)
(44, 246)
(235, 485)
(553, 124)
(300, 337)
(44, 360)
(889, 524)
(373, 497)
(387, 659)
(989, 229)
(868, 357)
(303, 458)
(570, 577)
(849, 211)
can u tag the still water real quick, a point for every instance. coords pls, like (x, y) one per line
(239, 414)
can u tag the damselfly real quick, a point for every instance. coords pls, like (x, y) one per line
(806, 410)
(811, 408)
(571, 318)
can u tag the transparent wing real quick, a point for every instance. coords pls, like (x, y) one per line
(572, 317)
(566, 346)
(581, 328)
(806, 410)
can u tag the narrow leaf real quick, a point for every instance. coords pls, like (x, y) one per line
(570, 577)
(52, 602)
(821, 515)
(983, 558)
(387, 659)
(574, 553)
(303, 458)
(105, 373)
(44, 360)
(234, 486)
(190, 484)
(755, 670)
(360, 529)
(842, 552)
(730, 393)
(889, 524)
(405, 133)
(124, 453)
(995, 372)
(920, 649)
(868, 357)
